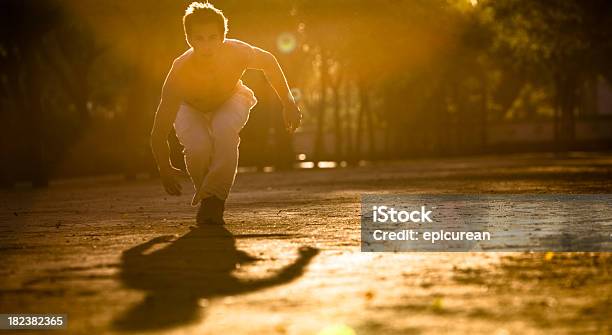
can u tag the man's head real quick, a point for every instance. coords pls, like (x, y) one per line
(205, 27)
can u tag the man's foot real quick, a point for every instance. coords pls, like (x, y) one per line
(211, 211)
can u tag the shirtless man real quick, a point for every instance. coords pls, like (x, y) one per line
(206, 101)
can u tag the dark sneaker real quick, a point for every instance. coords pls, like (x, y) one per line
(211, 211)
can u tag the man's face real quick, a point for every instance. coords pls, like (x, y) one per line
(205, 39)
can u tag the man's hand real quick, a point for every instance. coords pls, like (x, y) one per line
(169, 178)
(292, 117)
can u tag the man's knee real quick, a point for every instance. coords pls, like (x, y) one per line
(197, 147)
(226, 137)
(227, 125)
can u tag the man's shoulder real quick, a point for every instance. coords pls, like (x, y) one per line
(178, 69)
(182, 59)
(236, 43)
(241, 49)
(239, 45)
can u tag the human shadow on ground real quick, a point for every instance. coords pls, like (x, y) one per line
(198, 265)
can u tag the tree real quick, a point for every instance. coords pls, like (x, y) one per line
(567, 40)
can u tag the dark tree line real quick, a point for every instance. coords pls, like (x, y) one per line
(376, 79)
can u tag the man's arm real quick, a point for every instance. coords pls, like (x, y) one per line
(164, 118)
(263, 60)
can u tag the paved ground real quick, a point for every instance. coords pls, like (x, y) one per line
(122, 256)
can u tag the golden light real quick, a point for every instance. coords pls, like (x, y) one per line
(337, 329)
(296, 93)
(286, 42)
(306, 165)
(326, 164)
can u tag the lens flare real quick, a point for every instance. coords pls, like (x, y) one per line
(286, 42)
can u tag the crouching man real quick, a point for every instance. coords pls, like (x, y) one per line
(204, 98)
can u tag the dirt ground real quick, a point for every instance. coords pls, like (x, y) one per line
(119, 256)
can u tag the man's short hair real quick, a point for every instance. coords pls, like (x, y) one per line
(202, 13)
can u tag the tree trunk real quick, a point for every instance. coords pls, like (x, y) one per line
(369, 123)
(567, 91)
(484, 113)
(348, 132)
(319, 145)
(39, 168)
(337, 119)
(360, 117)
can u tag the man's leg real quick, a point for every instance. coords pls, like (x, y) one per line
(193, 131)
(226, 124)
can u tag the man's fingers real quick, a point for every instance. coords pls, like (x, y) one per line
(292, 124)
(297, 122)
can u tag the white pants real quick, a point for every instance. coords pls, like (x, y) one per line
(211, 142)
